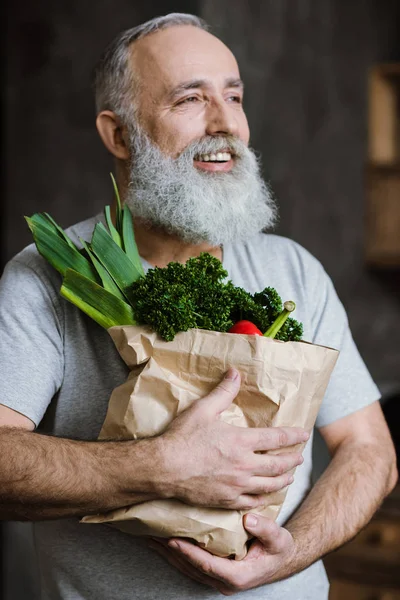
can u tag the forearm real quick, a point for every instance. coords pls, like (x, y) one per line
(43, 477)
(341, 503)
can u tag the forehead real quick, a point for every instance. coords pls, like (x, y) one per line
(164, 59)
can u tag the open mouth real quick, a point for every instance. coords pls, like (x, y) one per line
(222, 161)
(218, 157)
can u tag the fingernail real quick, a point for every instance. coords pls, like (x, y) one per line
(174, 545)
(231, 375)
(291, 479)
(306, 436)
(251, 521)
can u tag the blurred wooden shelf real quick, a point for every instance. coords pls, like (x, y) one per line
(343, 590)
(383, 114)
(368, 567)
(382, 181)
(382, 247)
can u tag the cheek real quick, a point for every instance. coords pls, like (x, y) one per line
(244, 131)
(174, 137)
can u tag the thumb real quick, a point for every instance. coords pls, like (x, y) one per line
(272, 537)
(222, 396)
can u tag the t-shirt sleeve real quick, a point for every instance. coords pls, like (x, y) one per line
(351, 386)
(31, 341)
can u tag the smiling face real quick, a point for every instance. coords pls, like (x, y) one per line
(189, 87)
(185, 164)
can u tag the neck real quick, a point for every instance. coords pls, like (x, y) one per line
(159, 248)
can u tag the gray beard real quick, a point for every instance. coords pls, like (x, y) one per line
(199, 206)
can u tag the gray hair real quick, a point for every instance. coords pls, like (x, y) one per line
(114, 82)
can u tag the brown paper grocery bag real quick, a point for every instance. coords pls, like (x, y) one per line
(283, 384)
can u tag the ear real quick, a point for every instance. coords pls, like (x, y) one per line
(112, 133)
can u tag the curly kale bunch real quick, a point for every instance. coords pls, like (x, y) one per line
(179, 297)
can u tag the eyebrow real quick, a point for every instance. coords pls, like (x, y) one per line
(232, 82)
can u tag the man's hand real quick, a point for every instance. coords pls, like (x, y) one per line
(269, 558)
(210, 463)
(361, 473)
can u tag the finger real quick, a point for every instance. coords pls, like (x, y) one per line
(213, 566)
(222, 396)
(193, 573)
(159, 540)
(273, 438)
(259, 486)
(273, 537)
(176, 562)
(179, 563)
(271, 465)
(247, 502)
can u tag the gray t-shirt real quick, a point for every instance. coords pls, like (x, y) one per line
(58, 368)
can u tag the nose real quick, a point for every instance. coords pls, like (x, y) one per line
(220, 120)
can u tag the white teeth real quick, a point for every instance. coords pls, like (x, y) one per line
(220, 156)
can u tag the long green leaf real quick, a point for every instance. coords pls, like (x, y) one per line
(107, 281)
(46, 220)
(129, 242)
(118, 211)
(41, 219)
(114, 259)
(113, 232)
(99, 304)
(60, 231)
(87, 309)
(57, 252)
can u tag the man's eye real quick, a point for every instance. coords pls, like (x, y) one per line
(189, 99)
(237, 99)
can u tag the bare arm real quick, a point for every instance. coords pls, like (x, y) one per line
(44, 477)
(199, 459)
(362, 472)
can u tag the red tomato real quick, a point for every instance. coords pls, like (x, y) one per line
(246, 327)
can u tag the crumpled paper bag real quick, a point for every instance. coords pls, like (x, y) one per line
(283, 384)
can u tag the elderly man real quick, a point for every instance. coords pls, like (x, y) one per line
(169, 101)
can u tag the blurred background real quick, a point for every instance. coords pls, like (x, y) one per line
(323, 102)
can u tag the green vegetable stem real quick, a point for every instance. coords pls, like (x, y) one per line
(281, 319)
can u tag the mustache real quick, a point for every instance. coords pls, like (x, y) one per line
(212, 144)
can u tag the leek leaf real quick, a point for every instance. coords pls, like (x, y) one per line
(99, 304)
(128, 236)
(108, 282)
(113, 232)
(57, 251)
(60, 231)
(114, 259)
(46, 220)
(118, 212)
